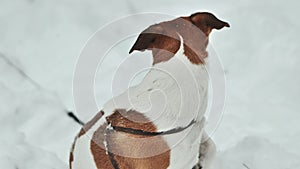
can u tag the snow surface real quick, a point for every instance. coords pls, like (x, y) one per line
(260, 53)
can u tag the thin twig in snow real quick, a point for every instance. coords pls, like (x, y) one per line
(245, 166)
(20, 71)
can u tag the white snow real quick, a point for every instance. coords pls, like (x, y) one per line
(260, 53)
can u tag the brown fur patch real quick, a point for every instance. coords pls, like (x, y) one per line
(130, 150)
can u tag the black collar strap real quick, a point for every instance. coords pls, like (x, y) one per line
(147, 133)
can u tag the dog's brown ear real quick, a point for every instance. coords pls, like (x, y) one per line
(146, 38)
(207, 22)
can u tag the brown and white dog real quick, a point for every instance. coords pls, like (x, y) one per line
(159, 123)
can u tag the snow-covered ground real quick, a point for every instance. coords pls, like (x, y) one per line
(260, 53)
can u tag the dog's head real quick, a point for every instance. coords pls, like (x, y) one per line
(163, 39)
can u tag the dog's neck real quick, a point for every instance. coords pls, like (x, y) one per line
(176, 92)
(182, 71)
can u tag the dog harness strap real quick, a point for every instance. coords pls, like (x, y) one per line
(147, 133)
(137, 132)
(108, 150)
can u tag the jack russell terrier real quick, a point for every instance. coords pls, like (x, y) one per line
(158, 123)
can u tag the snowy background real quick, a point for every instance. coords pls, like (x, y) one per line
(41, 40)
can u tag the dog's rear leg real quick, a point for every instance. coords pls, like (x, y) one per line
(206, 153)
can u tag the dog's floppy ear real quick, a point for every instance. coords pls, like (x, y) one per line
(147, 38)
(207, 22)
